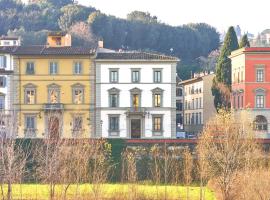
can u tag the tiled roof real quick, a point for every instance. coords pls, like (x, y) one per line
(44, 50)
(8, 49)
(134, 56)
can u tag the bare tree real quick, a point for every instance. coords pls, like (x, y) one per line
(188, 166)
(227, 144)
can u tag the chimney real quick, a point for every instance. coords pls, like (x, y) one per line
(100, 43)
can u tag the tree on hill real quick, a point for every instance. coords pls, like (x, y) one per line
(222, 82)
(142, 17)
(244, 42)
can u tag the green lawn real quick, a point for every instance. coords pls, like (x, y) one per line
(38, 191)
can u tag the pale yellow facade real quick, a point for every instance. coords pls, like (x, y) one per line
(43, 85)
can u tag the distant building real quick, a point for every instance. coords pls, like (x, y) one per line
(251, 86)
(198, 102)
(179, 108)
(9, 41)
(135, 95)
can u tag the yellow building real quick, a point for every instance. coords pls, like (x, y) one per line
(55, 89)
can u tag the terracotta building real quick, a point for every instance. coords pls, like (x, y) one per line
(251, 86)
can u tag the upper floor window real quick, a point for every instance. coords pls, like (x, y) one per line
(3, 61)
(78, 94)
(30, 68)
(179, 92)
(114, 97)
(135, 75)
(54, 93)
(260, 75)
(114, 75)
(259, 101)
(53, 68)
(157, 97)
(30, 122)
(135, 98)
(179, 105)
(77, 68)
(30, 94)
(2, 101)
(157, 75)
(2, 81)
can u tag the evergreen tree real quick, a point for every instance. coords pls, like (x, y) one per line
(222, 82)
(244, 42)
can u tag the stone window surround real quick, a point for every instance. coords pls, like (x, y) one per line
(58, 89)
(138, 92)
(114, 133)
(114, 91)
(262, 92)
(29, 87)
(34, 66)
(155, 132)
(57, 67)
(74, 67)
(136, 70)
(75, 87)
(160, 92)
(155, 70)
(110, 76)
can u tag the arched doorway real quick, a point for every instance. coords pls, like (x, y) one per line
(260, 123)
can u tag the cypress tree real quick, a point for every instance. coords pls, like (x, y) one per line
(222, 81)
(244, 42)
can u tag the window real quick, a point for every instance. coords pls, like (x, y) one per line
(77, 95)
(30, 96)
(30, 68)
(113, 75)
(53, 94)
(260, 123)
(30, 122)
(77, 68)
(242, 101)
(113, 123)
(157, 76)
(200, 118)
(179, 105)
(157, 97)
(135, 75)
(2, 81)
(179, 92)
(196, 118)
(77, 123)
(259, 75)
(259, 101)
(113, 100)
(2, 102)
(3, 61)
(53, 68)
(157, 123)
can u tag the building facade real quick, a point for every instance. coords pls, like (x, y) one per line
(251, 86)
(135, 95)
(55, 89)
(179, 108)
(198, 103)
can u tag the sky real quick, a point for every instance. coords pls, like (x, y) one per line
(252, 16)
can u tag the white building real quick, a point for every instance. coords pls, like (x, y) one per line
(135, 95)
(198, 103)
(9, 41)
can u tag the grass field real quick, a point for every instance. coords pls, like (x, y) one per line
(108, 191)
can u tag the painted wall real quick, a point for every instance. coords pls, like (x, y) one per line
(65, 79)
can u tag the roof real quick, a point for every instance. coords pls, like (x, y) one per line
(134, 56)
(44, 50)
(9, 38)
(196, 79)
(8, 49)
(57, 33)
(249, 50)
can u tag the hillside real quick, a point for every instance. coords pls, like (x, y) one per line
(140, 31)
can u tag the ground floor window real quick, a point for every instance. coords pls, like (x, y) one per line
(260, 123)
(113, 123)
(157, 123)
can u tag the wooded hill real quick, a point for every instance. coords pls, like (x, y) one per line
(139, 31)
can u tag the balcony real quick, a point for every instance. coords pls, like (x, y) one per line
(136, 110)
(53, 107)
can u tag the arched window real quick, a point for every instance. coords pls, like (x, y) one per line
(260, 123)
